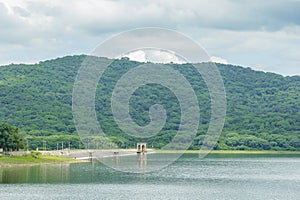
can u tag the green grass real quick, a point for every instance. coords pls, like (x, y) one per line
(30, 159)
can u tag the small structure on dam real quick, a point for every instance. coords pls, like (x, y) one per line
(141, 147)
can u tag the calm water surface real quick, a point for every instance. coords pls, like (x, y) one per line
(215, 177)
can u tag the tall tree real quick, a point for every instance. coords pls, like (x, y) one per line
(11, 139)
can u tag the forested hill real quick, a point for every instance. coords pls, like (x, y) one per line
(263, 109)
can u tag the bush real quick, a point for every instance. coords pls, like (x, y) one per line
(35, 154)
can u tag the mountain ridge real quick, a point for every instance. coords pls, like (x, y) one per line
(263, 107)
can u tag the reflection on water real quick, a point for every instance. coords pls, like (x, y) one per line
(71, 173)
(188, 168)
(215, 177)
(35, 174)
(142, 161)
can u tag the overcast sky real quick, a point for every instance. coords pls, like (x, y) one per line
(264, 35)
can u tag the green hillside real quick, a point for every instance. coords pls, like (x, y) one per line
(263, 109)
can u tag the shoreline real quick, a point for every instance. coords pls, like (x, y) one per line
(51, 159)
(41, 163)
(253, 152)
(6, 161)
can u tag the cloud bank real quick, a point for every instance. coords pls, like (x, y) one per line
(249, 33)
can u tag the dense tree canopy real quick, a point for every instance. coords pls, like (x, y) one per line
(10, 139)
(263, 109)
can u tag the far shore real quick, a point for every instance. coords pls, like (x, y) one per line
(231, 152)
(78, 156)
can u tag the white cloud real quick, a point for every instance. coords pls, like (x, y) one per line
(139, 56)
(159, 56)
(262, 68)
(218, 60)
(277, 51)
(154, 56)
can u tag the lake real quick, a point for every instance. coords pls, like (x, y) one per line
(218, 176)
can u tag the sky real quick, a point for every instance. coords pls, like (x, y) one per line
(263, 35)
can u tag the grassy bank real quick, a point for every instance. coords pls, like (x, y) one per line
(34, 158)
(230, 152)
